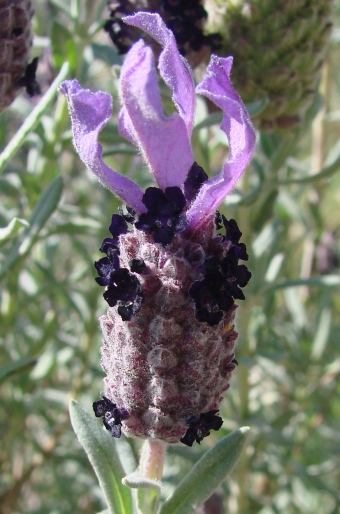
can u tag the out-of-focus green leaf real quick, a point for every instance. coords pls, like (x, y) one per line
(264, 210)
(100, 449)
(265, 239)
(255, 108)
(106, 53)
(33, 119)
(18, 366)
(12, 228)
(120, 149)
(274, 267)
(206, 475)
(322, 333)
(63, 45)
(126, 456)
(324, 281)
(213, 119)
(62, 5)
(43, 209)
(326, 172)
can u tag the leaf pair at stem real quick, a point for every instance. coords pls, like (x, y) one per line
(196, 487)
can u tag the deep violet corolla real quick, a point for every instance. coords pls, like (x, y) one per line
(171, 271)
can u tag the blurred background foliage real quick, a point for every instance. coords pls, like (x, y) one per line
(53, 217)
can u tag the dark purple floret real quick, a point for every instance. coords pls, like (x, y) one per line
(112, 416)
(195, 178)
(137, 266)
(218, 220)
(122, 35)
(184, 19)
(200, 426)
(125, 290)
(106, 267)
(109, 247)
(29, 80)
(130, 216)
(232, 232)
(220, 286)
(164, 218)
(117, 227)
(212, 295)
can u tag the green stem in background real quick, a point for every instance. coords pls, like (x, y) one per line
(33, 119)
(245, 350)
(319, 135)
(243, 465)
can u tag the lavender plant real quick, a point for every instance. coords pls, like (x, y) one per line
(171, 281)
(52, 219)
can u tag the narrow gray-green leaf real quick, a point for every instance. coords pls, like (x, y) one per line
(18, 366)
(12, 228)
(43, 209)
(148, 492)
(136, 481)
(100, 449)
(255, 108)
(206, 475)
(213, 119)
(126, 456)
(324, 281)
(33, 119)
(326, 172)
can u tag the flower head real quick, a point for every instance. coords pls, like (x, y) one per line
(171, 281)
(15, 42)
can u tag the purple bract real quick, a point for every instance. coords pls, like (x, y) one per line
(164, 142)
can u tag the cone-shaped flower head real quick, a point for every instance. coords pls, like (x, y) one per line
(15, 45)
(171, 281)
(279, 48)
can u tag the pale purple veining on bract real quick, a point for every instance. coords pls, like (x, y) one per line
(89, 113)
(236, 124)
(163, 141)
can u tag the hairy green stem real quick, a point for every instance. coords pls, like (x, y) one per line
(151, 468)
(152, 459)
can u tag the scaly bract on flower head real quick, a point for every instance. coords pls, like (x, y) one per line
(171, 281)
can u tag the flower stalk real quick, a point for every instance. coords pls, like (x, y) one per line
(152, 459)
(151, 468)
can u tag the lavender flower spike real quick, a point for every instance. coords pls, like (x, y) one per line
(170, 280)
